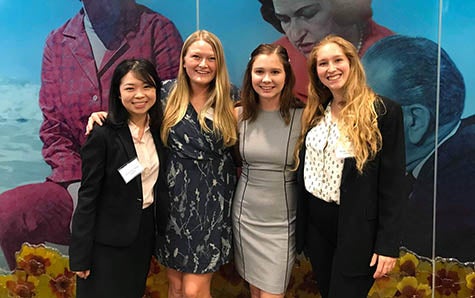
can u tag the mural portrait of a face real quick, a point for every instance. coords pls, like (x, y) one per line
(306, 22)
(393, 67)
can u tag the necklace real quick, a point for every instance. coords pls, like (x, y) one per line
(361, 37)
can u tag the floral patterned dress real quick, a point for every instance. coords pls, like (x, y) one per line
(201, 178)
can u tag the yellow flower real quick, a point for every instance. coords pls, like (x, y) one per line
(41, 272)
(18, 285)
(384, 286)
(470, 278)
(450, 278)
(409, 287)
(39, 259)
(408, 264)
(63, 285)
(156, 285)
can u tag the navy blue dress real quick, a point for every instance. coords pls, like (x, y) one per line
(201, 178)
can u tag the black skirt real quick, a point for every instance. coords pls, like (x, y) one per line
(118, 272)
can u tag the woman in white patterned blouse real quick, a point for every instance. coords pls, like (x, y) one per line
(351, 167)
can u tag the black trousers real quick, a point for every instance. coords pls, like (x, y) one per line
(121, 272)
(322, 250)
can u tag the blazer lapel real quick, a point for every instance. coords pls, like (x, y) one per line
(125, 139)
(157, 141)
(111, 57)
(80, 49)
(300, 168)
(348, 167)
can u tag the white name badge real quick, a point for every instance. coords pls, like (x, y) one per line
(130, 170)
(344, 150)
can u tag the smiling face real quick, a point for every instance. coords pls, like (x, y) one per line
(200, 63)
(268, 77)
(333, 67)
(306, 22)
(136, 96)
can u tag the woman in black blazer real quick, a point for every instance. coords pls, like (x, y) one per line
(122, 189)
(350, 173)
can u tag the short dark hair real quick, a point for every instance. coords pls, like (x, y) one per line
(146, 72)
(348, 12)
(268, 14)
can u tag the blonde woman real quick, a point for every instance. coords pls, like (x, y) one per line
(350, 159)
(199, 127)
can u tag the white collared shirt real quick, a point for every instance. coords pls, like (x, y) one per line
(148, 159)
(322, 166)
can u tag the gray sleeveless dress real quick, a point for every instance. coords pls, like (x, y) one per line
(264, 205)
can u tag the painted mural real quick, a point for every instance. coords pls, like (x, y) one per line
(420, 54)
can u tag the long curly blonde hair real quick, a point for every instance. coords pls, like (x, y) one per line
(219, 95)
(358, 118)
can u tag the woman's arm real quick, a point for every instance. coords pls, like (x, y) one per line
(391, 194)
(83, 223)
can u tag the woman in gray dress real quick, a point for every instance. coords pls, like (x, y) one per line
(265, 199)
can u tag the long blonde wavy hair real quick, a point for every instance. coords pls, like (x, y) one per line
(358, 118)
(219, 95)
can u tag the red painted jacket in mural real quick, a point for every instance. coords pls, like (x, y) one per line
(72, 88)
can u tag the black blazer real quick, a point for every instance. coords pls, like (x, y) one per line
(371, 203)
(109, 210)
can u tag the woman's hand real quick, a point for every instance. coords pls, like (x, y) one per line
(83, 274)
(385, 265)
(96, 117)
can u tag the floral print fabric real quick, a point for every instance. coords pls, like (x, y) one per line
(201, 179)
